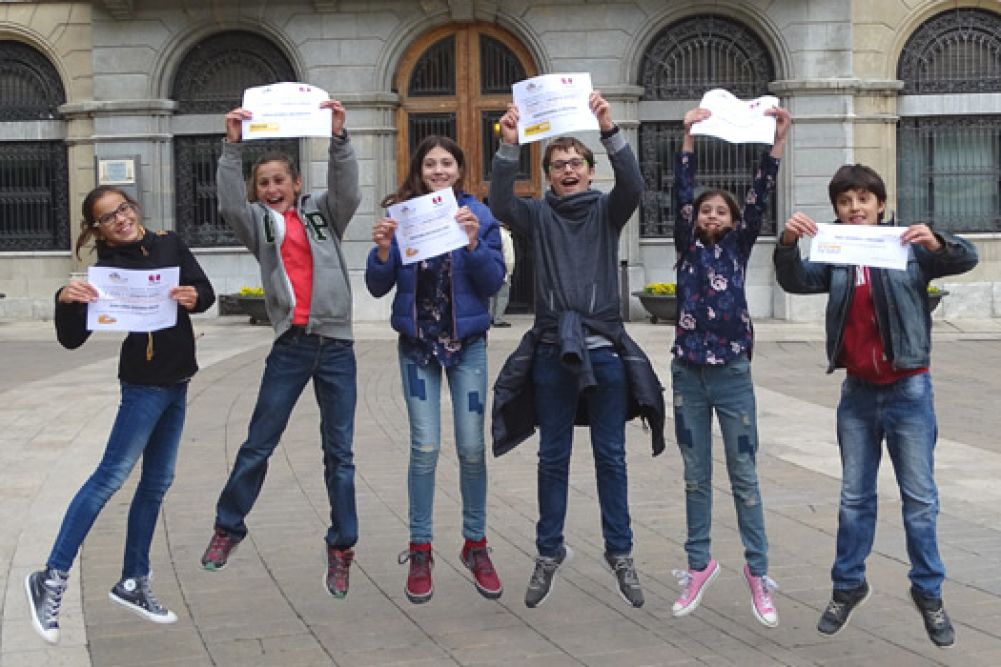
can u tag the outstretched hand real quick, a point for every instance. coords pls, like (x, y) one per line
(783, 121)
(382, 235)
(78, 291)
(338, 116)
(601, 109)
(509, 124)
(470, 224)
(797, 226)
(234, 124)
(923, 236)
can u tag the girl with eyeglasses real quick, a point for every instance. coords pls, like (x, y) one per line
(154, 370)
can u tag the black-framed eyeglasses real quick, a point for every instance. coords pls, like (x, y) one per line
(573, 163)
(124, 208)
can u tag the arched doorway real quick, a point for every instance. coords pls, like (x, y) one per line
(210, 79)
(456, 81)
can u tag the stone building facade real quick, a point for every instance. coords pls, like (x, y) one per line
(134, 91)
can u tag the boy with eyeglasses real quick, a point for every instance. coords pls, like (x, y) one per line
(576, 361)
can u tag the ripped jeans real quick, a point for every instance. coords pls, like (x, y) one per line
(728, 389)
(467, 383)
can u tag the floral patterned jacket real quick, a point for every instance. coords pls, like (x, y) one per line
(714, 324)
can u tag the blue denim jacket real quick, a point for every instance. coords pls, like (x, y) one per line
(900, 297)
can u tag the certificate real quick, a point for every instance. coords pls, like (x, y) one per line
(426, 226)
(286, 110)
(132, 300)
(553, 104)
(864, 245)
(737, 121)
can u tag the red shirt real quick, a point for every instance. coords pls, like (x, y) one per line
(298, 259)
(862, 352)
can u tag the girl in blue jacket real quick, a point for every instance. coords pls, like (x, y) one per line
(441, 310)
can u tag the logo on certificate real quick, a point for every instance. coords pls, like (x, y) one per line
(106, 319)
(153, 279)
(566, 80)
(436, 200)
(410, 252)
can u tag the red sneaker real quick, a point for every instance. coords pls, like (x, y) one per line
(476, 556)
(419, 587)
(338, 564)
(220, 547)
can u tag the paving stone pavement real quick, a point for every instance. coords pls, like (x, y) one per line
(269, 605)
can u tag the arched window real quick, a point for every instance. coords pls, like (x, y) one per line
(949, 164)
(34, 182)
(683, 61)
(211, 79)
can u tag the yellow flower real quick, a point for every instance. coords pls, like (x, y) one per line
(251, 291)
(666, 289)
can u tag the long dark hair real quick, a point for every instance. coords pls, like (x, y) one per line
(89, 224)
(413, 184)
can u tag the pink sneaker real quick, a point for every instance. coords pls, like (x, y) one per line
(761, 598)
(695, 583)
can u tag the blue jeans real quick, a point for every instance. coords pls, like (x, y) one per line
(149, 423)
(295, 358)
(729, 390)
(467, 383)
(556, 397)
(904, 414)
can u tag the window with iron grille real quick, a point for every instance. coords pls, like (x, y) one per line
(683, 61)
(34, 179)
(949, 166)
(210, 80)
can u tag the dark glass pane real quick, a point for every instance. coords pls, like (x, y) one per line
(720, 165)
(434, 73)
(30, 87)
(958, 51)
(949, 172)
(34, 196)
(195, 158)
(490, 140)
(421, 125)
(701, 52)
(499, 67)
(216, 71)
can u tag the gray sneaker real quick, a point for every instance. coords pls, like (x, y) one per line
(544, 575)
(45, 590)
(134, 594)
(625, 574)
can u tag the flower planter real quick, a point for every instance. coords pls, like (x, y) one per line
(254, 307)
(660, 306)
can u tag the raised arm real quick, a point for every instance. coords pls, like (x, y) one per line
(503, 203)
(343, 194)
(231, 189)
(625, 195)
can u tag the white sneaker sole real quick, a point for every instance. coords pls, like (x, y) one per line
(169, 617)
(685, 611)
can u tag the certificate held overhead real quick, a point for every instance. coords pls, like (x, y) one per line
(553, 104)
(737, 121)
(286, 110)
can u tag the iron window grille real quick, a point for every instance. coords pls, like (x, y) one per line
(683, 61)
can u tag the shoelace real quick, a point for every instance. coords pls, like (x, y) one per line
(481, 560)
(151, 602)
(55, 586)
(417, 558)
(218, 545)
(834, 608)
(684, 578)
(625, 566)
(542, 565)
(937, 617)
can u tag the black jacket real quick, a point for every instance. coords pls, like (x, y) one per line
(514, 418)
(173, 358)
